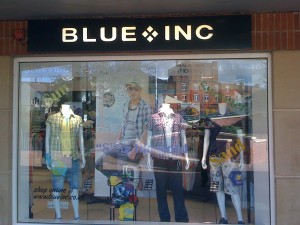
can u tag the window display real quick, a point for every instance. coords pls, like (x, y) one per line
(167, 140)
(63, 132)
(125, 139)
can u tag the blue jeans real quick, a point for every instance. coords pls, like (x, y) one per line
(118, 152)
(72, 176)
(168, 174)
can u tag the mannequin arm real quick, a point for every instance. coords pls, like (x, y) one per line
(81, 146)
(187, 161)
(242, 162)
(149, 161)
(184, 144)
(47, 147)
(148, 144)
(205, 148)
(242, 159)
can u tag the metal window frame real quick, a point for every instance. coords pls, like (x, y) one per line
(174, 56)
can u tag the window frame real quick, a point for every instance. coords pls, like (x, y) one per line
(174, 56)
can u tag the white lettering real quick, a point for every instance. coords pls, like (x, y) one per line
(85, 36)
(240, 67)
(187, 34)
(198, 32)
(69, 35)
(167, 33)
(126, 34)
(113, 34)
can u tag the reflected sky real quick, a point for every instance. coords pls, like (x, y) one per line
(251, 71)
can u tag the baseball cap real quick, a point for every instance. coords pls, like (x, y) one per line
(132, 83)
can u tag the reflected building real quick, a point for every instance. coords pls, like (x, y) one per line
(198, 85)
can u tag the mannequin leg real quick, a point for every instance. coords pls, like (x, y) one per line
(161, 178)
(221, 203)
(56, 201)
(175, 183)
(74, 185)
(74, 200)
(237, 205)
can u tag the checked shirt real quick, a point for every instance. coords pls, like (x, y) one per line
(159, 148)
(55, 122)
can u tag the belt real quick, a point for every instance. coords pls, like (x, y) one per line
(168, 158)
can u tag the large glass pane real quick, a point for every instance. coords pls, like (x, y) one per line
(181, 140)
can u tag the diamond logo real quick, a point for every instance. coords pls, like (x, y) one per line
(149, 34)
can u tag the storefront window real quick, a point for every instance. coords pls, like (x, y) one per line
(182, 140)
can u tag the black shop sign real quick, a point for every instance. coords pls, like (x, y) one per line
(140, 34)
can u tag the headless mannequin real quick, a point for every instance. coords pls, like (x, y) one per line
(165, 108)
(221, 194)
(66, 112)
(171, 176)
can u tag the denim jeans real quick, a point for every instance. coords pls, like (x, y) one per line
(168, 174)
(118, 152)
(72, 176)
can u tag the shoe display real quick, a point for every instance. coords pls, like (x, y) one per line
(223, 221)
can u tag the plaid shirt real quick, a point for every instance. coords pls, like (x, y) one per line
(55, 122)
(159, 148)
(143, 115)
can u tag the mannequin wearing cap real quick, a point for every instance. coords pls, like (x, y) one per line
(216, 168)
(66, 127)
(166, 141)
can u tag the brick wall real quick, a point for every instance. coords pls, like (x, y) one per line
(9, 46)
(276, 31)
(270, 31)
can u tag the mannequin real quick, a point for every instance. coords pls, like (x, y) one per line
(66, 127)
(165, 108)
(220, 192)
(167, 141)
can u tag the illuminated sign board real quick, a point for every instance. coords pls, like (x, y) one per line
(140, 34)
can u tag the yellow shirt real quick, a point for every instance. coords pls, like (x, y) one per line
(65, 138)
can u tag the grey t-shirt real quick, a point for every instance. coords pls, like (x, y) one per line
(130, 132)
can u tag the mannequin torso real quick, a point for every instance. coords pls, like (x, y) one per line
(66, 111)
(166, 135)
(168, 121)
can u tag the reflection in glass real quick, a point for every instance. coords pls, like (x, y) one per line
(115, 100)
(222, 108)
